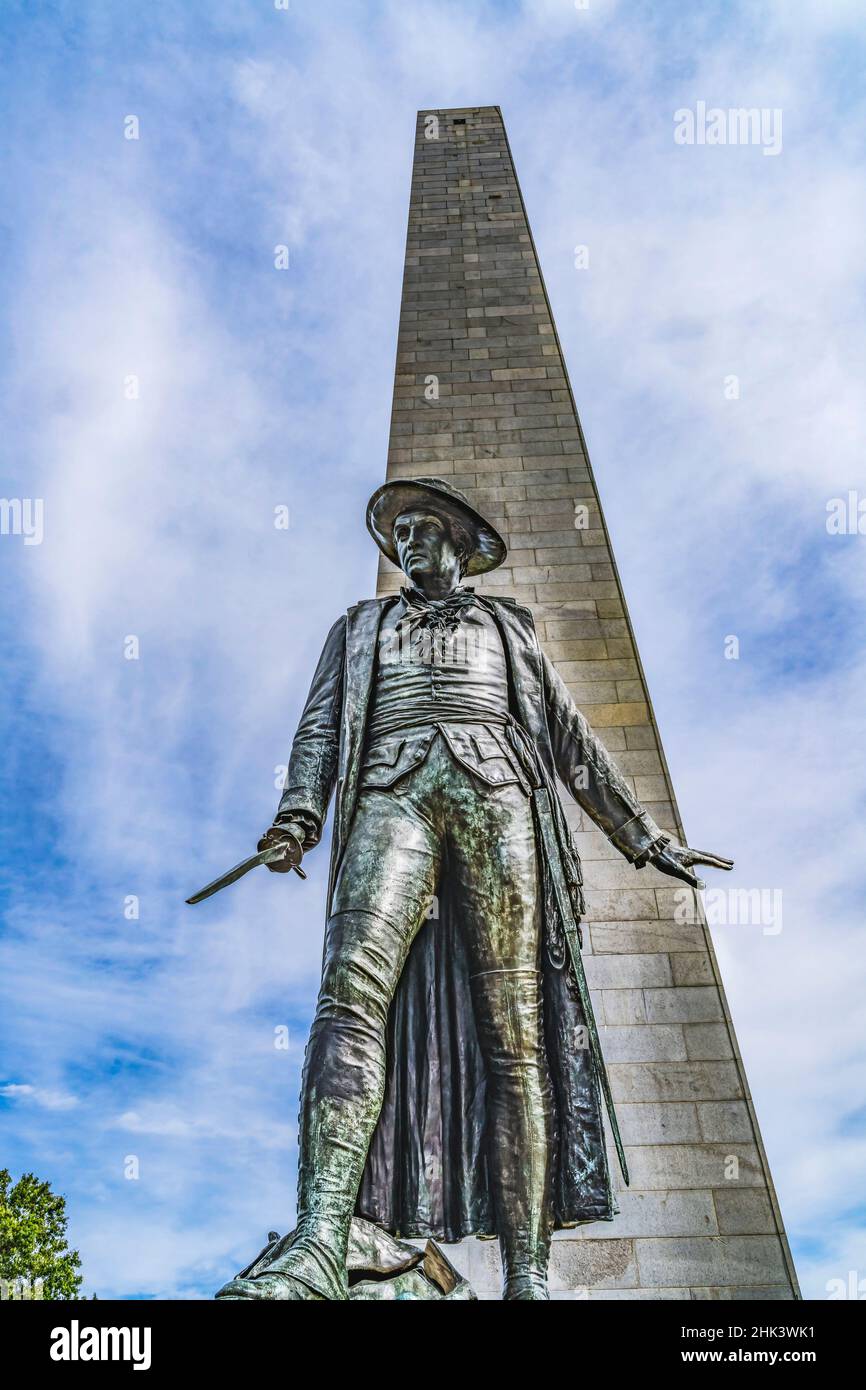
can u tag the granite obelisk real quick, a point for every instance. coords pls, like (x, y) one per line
(483, 399)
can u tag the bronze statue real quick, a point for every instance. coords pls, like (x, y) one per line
(453, 1079)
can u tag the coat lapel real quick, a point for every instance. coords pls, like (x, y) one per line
(362, 638)
(524, 663)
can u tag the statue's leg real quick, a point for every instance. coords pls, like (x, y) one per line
(496, 861)
(386, 881)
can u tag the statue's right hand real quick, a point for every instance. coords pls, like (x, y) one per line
(282, 835)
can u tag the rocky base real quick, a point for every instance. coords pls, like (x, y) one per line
(384, 1269)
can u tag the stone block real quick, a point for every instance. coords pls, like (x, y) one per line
(695, 1004)
(724, 1121)
(603, 1263)
(642, 1043)
(707, 1042)
(744, 1211)
(674, 1166)
(633, 972)
(692, 968)
(669, 1081)
(654, 1122)
(711, 1260)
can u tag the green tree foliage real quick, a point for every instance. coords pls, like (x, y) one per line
(33, 1247)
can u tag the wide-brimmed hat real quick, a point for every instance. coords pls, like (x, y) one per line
(409, 494)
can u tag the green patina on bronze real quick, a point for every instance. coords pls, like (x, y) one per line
(454, 1080)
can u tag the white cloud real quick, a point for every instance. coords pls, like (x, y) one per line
(46, 1100)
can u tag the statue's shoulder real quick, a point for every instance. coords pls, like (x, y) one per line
(357, 615)
(361, 620)
(367, 609)
(371, 604)
(510, 606)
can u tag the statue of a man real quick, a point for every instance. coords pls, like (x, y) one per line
(453, 1080)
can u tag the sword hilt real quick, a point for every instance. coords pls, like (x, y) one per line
(297, 833)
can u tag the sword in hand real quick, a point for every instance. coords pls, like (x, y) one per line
(281, 848)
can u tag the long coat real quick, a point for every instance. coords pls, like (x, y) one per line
(426, 1173)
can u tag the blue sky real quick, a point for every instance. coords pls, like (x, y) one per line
(154, 258)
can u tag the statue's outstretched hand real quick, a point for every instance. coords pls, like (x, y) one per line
(677, 860)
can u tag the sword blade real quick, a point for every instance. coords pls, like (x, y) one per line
(264, 856)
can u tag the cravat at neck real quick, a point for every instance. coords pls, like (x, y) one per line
(437, 614)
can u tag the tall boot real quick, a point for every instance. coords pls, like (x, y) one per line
(520, 1125)
(341, 1095)
(335, 1135)
(310, 1263)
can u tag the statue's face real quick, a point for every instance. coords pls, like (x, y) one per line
(425, 547)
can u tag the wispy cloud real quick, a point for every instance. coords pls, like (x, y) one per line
(35, 1095)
